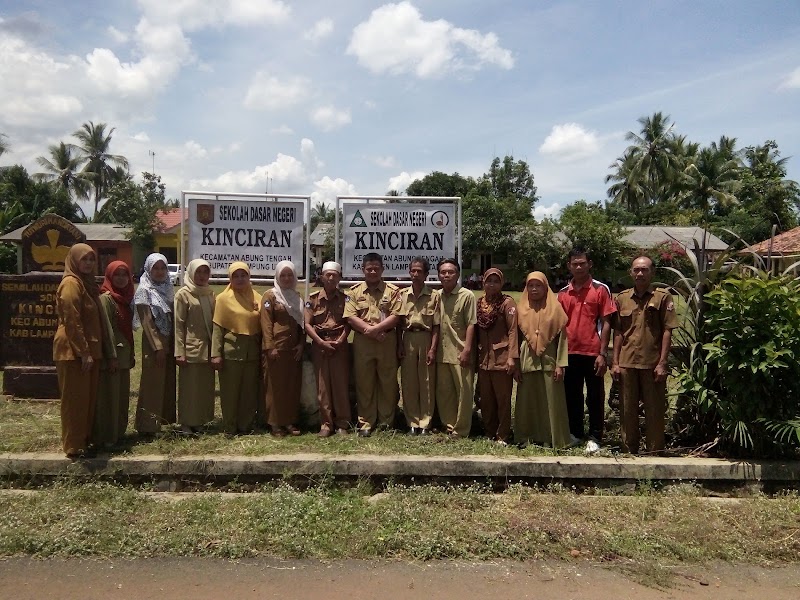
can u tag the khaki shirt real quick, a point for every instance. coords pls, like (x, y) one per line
(192, 334)
(642, 320)
(235, 346)
(456, 313)
(279, 330)
(80, 331)
(122, 349)
(326, 313)
(421, 312)
(555, 355)
(498, 343)
(372, 305)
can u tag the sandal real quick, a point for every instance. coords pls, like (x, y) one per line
(293, 430)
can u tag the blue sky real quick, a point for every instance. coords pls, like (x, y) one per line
(361, 97)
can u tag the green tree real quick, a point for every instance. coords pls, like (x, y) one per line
(62, 168)
(588, 225)
(441, 184)
(321, 213)
(512, 181)
(710, 181)
(626, 189)
(100, 164)
(3, 144)
(135, 206)
(655, 163)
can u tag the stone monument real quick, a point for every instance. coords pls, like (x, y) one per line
(28, 318)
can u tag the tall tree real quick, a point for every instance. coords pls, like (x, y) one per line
(512, 181)
(321, 213)
(94, 143)
(441, 184)
(3, 143)
(627, 189)
(710, 181)
(62, 168)
(655, 161)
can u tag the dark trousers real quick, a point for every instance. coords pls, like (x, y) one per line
(580, 371)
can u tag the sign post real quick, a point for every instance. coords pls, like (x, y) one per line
(398, 231)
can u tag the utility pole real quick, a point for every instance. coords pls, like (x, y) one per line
(153, 154)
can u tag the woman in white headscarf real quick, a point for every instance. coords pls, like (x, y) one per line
(194, 325)
(154, 314)
(283, 338)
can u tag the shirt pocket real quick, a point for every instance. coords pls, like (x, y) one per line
(625, 319)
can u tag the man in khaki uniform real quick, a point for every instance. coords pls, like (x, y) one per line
(455, 369)
(372, 309)
(642, 338)
(417, 350)
(328, 330)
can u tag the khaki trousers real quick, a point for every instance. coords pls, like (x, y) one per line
(375, 368)
(156, 405)
(455, 397)
(639, 385)
(417, 379)
(283, 389)
(238, 394)
(196, 394)
(495, 391)
(332, 372)
(78, 397)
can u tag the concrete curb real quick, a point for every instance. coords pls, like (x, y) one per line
(586, 470)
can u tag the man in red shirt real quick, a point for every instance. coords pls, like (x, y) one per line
(589, 307)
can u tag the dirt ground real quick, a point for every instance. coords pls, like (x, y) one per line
(202, 579)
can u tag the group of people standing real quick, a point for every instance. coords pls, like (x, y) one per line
(550, 344)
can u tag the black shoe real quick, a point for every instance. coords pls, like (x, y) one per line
(414, 431)
(90, 452)
(365, 433)
(424, 431)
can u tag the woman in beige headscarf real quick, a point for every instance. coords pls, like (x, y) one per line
(194, 325)
(78, 349)
(236, 350)
(540, 415)
(282, 325)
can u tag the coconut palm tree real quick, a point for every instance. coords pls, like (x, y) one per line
(3, 144)
(654, 159)
(62, 169)
(626, 190)
(94, 143)
(710, 180)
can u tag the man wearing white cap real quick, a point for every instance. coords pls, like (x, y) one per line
(328, 329)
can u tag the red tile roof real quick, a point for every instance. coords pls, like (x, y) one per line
(787, 242)
(171, 218)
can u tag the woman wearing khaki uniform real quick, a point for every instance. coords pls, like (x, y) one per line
(77, 348)
(113, 399)
(282, 323)
(236, 350)
(154, 312)
(497, 354)
(194, 325)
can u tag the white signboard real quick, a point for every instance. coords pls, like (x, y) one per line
(398, 232)
(259, 233)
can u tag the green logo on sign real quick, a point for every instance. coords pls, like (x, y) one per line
(358, 220)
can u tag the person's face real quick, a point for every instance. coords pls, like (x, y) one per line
(579, 266)
(448, 275)
(642, 271)
(158, 272)
(87, 264)
(492, 285)
(201, 275)
(120, 278)
(373, 271)
(536, 290)
(240, 279)
(286, 278)
(330, 280)
(417, 273)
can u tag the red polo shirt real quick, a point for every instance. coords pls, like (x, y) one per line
(585, 308)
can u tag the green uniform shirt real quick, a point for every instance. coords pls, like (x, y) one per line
(456, 313)
(421, 313)
(555, 355)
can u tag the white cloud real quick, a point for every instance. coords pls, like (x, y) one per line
(329, 118)
(402, 181)
(569, 142)
(194, 150)
(282, 130)
(543, 212)
(396, 40)
(119, 37)
(270, 93)
(319, 31)
(387, 162)
(287, 174)
(193, 15)
(326, 190)
(141, 137)
(792, 80)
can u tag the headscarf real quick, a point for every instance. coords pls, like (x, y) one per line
(332, 266)
(203, 293)
(72, 269)
(237, 311)
(288, 297)
(122, 297)
(489, 310)
(157, 296)
(541, 321)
